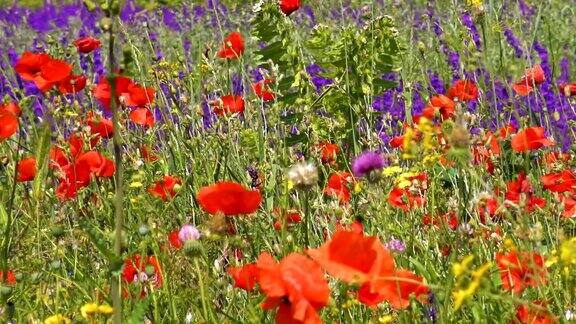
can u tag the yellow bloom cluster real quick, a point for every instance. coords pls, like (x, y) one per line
(460, 269)
(91, 309)
(57, 319)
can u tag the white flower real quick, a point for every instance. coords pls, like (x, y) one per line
(303, 174)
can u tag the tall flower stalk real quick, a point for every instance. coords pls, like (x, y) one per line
(108, 26)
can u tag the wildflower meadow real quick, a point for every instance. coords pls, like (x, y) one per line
(288, 161)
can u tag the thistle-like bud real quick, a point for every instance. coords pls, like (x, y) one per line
(303, 174)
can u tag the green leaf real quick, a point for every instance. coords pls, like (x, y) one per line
(42, 158)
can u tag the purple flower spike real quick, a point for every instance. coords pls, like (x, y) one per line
(366, 163)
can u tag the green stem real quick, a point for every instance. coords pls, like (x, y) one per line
(306, 217)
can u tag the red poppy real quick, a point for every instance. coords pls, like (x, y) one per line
(442, 105)
(26, 170)
(532, 77)
(10, 277)
(354, 257)
(29, 65)
(87, 44)
(534, 314)
(229, 104)
(72, 84)
(142, 116)
(51, 73)
(138, 96)
(404, 199)
(233, 46)
(174, 240)
(245, 277)
(329, 152)
(8, 124)
(521, 191)
(103, 92)
(295, 285)
(289, 6)
(58, 159)
(138, 269)
(521, 270)
(569, 203)
(531, 138)
(487, 207)
(262, 90)
(559, 182)
(556, 157)
(11, 107)
(147, 155)
(356, 227)
(229, 198)
(96, 164)
(290, 217)
(337, 186)
(395, 288)
(165, 188)
(568, 90)
(448, 220)
(76, 142)
(463, 90)
(100, 126)
(397, 141)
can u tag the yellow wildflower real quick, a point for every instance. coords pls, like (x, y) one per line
(357, 187)
(386, 319)
(57, 319)
(479, 273)
(568, 251)
(88, 310)
(105, 309)
(389, 171)
(460, 268)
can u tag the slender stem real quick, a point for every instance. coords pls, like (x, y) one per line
(8, 229)
(306, 217)
(202, 293)
(116, 285)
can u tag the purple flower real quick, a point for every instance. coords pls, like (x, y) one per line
(396, 245)
(188, 233)
(514, 42)
(237, 85)
(366, 163)
(467, 21)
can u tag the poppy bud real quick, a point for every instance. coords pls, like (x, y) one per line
(5, 291)
(35, 277)
(193, 248)
(54, 265)
(57, 231)
(143, 229)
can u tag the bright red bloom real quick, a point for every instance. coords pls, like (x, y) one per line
(337, 186)
(559, 182)
(354, 257)
(137, 269)
(87, 44)
(568, 90)
(8, 124)
(100, 126)
(532, 77)
(329, 152)
(290, 217)
(72, 84)
(441, 104)
(26, 170)
(262, 90)
(395, 288)
(76, 142)
(233, 46)
(147, 155)
(138, 96)
(448, 220)
(96, 164)
(174, 240)
(142, 116)
(245, 277)
(295, 285)
(569, 203)
(487, 207)
(51, 73)
(404, 199)
(10, 277)
(521, 270)
(11, 107)
(521, 191)
(229, 104)
(289, 6)
(165, 188)
(103, 92)
(29, 66)
(532, 315)
(531, 138)
(229, 198)
(58, 159)
(463, 90)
